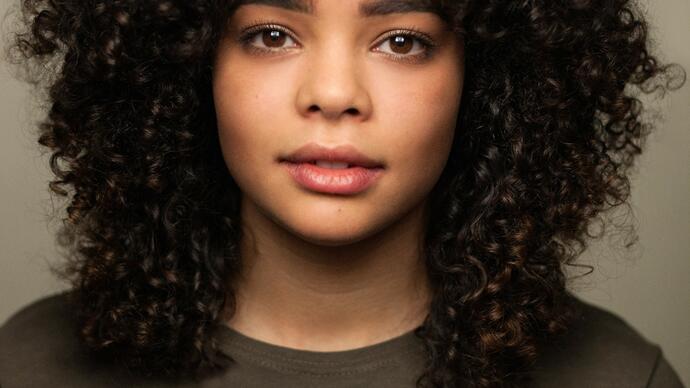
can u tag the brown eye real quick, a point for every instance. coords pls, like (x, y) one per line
(267, 38)
(401, 44)
(406, 46)
(273, 38)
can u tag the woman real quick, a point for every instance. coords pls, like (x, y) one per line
(333, 193)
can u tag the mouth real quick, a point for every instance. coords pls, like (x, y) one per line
(333, 178)
(328, 164)
(340, 157)
(342, 170)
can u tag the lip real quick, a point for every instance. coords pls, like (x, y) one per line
(362, 173)
(345, 153)
(346, 181)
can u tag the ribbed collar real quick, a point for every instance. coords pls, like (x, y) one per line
(283, 358)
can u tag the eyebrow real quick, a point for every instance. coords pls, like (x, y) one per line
(367, 9)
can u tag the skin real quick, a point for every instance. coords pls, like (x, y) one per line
(327, 272)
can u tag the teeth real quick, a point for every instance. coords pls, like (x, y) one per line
(336, 166)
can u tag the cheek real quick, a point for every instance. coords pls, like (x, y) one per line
(247, 114)
(243, 99)
(422, 114)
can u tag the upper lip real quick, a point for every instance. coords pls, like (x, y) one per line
(346, 153)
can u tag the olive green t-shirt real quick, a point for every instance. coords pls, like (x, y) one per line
(38, 349)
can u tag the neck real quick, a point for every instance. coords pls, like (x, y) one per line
(323, 298)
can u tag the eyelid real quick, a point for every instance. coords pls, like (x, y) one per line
(259, 26)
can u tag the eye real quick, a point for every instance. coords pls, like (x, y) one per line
(406, 44)
(266, 38)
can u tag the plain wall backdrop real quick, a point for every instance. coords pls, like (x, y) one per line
(649, 286)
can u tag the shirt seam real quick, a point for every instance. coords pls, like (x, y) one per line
(273, 356)
(283, 368)
(657, 361)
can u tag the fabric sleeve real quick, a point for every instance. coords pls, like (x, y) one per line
(663, 375)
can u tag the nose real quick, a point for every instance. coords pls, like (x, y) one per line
(333, 86)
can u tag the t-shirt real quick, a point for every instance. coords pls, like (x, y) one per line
(38, 349)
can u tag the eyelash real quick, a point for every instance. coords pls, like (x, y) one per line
(248, 34)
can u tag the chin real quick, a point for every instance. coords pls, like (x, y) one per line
(333, 236)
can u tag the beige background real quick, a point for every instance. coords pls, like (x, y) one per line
(649, 287)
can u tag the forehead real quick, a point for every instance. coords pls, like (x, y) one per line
(367, 8)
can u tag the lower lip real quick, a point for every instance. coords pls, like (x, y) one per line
(346, 181)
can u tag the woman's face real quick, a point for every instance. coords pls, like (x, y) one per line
(334, 73)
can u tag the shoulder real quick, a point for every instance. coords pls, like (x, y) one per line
(39, 346)
(32, 318)
(601, 349)
(36, 329)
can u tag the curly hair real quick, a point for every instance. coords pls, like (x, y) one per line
(546, 134)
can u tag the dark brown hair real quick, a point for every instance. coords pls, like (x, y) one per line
(547, 131)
